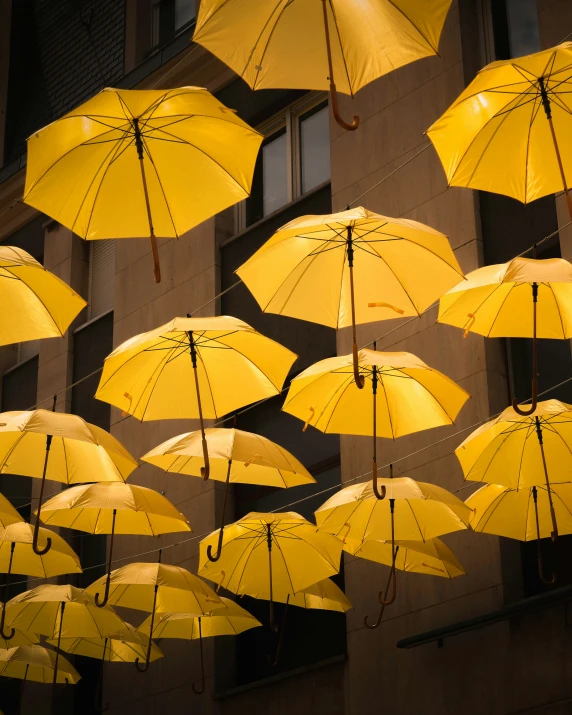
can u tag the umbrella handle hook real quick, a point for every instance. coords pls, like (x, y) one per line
(200, 689)
(145, 668)
(36, 549)
(210, 555)
(534, 401)
(101, 603)
(379, 494)
(547, 582)
(99, 687)
(393, 574)
(7, 636)
(333, 92)
(391, 579)
(206, 470)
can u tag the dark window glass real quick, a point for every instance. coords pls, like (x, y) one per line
(515, 28)
(170, 16)
(270, 183)
(315, 147)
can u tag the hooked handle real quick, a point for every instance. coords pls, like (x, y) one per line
(200, 689)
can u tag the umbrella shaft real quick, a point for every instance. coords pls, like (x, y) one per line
(548, 111)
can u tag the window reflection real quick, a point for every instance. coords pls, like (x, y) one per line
(275, 173)
(522, 18)
(315, 148)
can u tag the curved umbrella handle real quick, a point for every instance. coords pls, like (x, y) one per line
(393, 575)
(102, 603)
(366, 622)
(210, 555)
(145, 668)
(333, 93)
(4, 635)
(379, 494)
(199, 690)
(359, 379)
(206, 470)
(547, 582)
(534, 401)
(38, 551)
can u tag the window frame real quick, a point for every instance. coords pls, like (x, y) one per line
(289, 119)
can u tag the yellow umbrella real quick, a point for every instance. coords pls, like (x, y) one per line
(19, 637)
(520, 452)
(306, 270)
(281, 44)
(79, 451)
(113, 508)
(40, 665)
(158, 588)
(509, 131)
(432, 557)
(61, 611)
(495, 301)
(37, 304)
(235, 457)
(194, 367)
(125, 646)
(228, 621)
(263, 553)
(131, 163)
(415, 397)
(17, 556)
(523, 514)
(424, 511)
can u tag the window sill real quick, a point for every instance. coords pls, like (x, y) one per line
(91, 320)
(513, 610)
(274, 214)
(223, 694)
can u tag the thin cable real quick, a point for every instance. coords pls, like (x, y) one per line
(390, 174)
(8, 208)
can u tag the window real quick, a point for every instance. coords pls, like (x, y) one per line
(514, 25)
(294, 158)
(170, 16)
(101, 278)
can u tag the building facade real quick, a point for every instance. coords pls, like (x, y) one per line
(494, 641)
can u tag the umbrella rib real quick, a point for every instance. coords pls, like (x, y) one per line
(505, 436)
(407, 501)
(533, 116)
(382, 383)
(342, 388)
(285, 563)
(266, 24)
(435, 49)
(208, 381)
(42, 303)
(159, 368)
(549, 285)
(101, 170)
(338, 35)
(148, 152)
(491, 508)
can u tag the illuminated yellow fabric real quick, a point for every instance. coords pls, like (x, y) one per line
(36, 303)
(150, 376)
(60, 559)
(496, 300)
(301, 555)
(281, 43)
(302, 271)
(432, 557)
(510, 512)
(89, 507)
(410, 395)
(255, 459)
(19, 638)
(321, 596)
(80, 452)
(37, 665)
(496, 137)
(422, 511)
(179, 591)
(228, 621)
(8, 515)
(126, 646)
(39, 610)
(506, 450)
(84, 171)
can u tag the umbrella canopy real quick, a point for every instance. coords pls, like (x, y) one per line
(125, 646)
(401, 267)
(509, 131)
(19, 637)
(91, 507)
(8, 515)
(151, 376)
(286, 44)
(125, 163)
(321, 596)
(40, 611)
(432, 557)
(21, 559)
(32, 662)
(37, 304)
(79, 451)
(416, 397)
(422, 511)
(178, 590)
(511, 512)
(254, 459)
(266, 552)
(496, 300)
(228, 621)
(506, 450)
